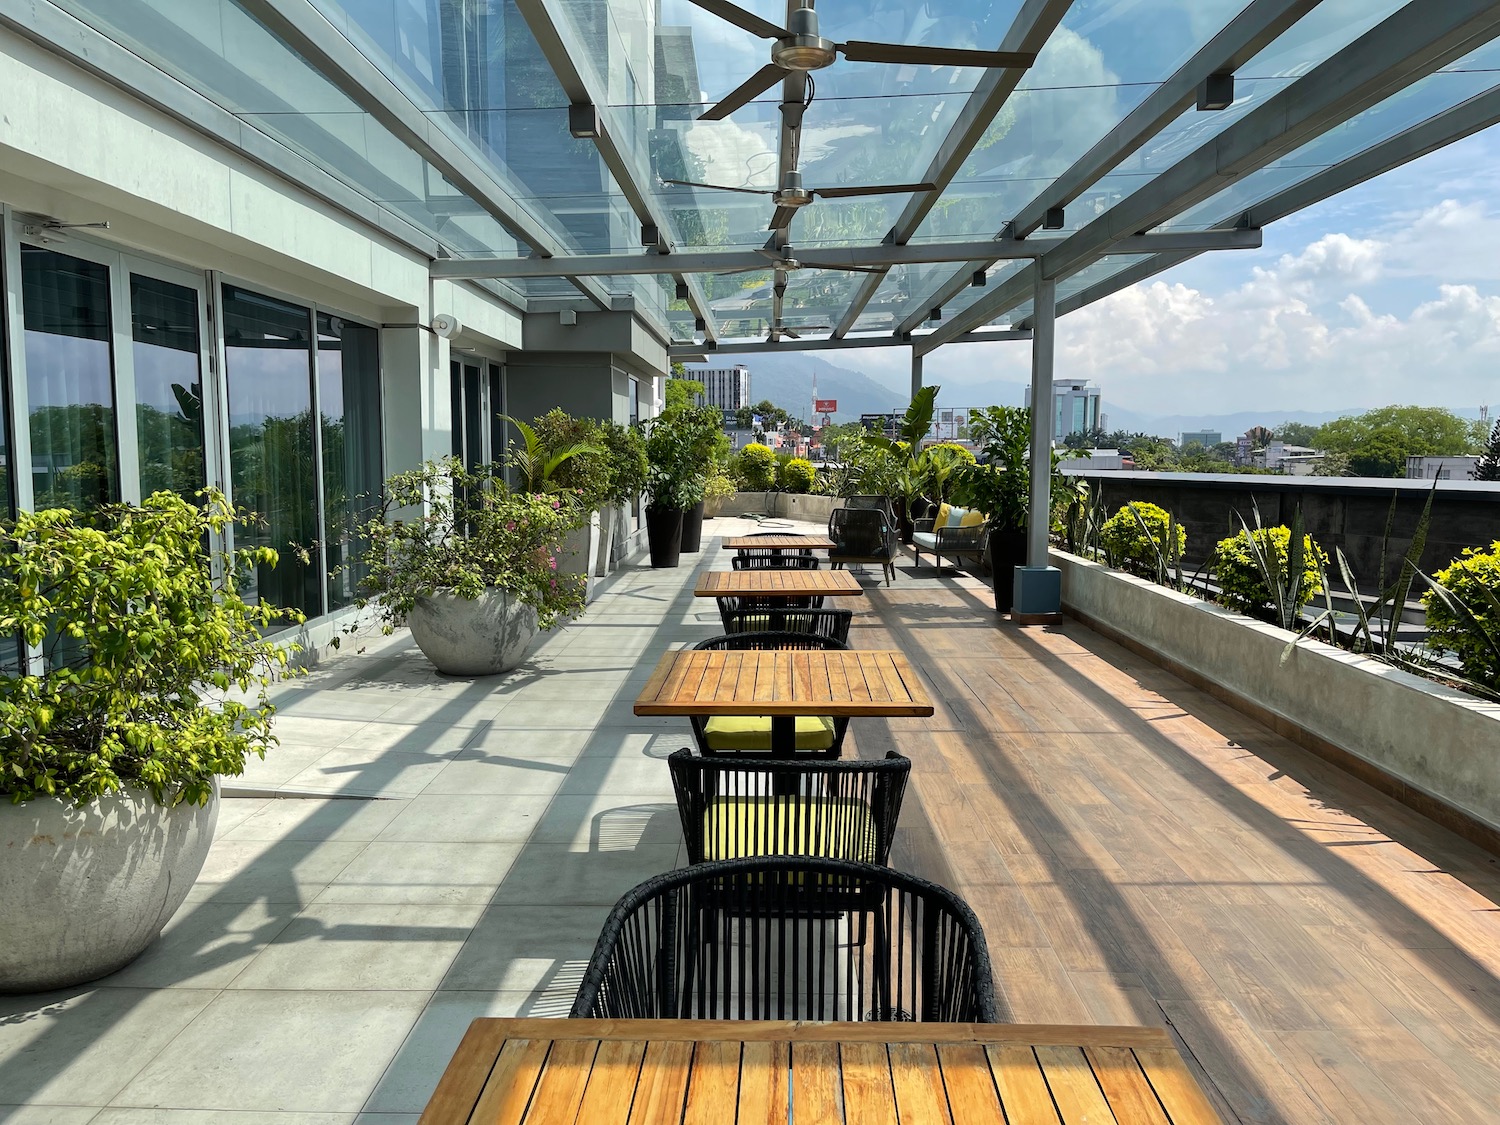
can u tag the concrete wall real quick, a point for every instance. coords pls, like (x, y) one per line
(1347, 513)
(1439, 742)
(782, 505)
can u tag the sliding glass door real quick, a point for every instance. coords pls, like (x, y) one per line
(166, 346)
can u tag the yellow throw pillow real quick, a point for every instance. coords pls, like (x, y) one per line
(942, 515)
(734, 827)
(972, 518)
(753, 733)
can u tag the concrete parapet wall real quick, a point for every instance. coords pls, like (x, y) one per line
(783, 505)
(1436, 747)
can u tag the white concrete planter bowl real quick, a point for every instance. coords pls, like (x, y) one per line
(84, 891)
(482, 637)
(579, 549)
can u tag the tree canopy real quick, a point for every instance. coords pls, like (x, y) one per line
(1378, 442)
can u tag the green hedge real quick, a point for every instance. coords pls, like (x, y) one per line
(1129, 545)
(1242, 580)
(1474, 637)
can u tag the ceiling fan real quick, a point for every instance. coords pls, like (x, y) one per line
(783, 260)
(799, 47)
(792, 195)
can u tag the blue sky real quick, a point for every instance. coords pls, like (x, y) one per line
(1387, 293)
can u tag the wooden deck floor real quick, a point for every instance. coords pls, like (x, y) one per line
(1141, 853)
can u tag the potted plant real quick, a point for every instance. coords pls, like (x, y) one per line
(673, 482)
(907, 481)
(716, 490)
(709, 452)
(566, 455)
(116, 735)
(469, 565)
(625, 457)
(1001, 489)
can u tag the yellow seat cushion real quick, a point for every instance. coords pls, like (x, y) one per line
(753, 732)
(941, 520)
(971, 518)
(840, 828)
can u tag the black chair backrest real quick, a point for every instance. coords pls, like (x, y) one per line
(770, 639)
(859, 531)
(775, 562)
(733, 940)
(824, 622)
(844, 810)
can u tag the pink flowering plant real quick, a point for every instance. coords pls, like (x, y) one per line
(444, 528)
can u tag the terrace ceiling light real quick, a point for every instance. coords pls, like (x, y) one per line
(1216, 92)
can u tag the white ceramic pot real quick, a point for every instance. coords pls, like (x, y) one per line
(579, 548)
(86, 890)
(473, 638)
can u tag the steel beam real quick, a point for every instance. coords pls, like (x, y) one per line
(759, 344)
(1029, 32)
(567, 57)
(1404, 48)
(829, 257)
(1259, 24)
(1039, 521)
(331, 50)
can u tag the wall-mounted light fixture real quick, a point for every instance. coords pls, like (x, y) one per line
(700, 330)
(1053, 219)
(936, 313)
(583, 119)
(1216, 92)
(682, 291)
(978, 281)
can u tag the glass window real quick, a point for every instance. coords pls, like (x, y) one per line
(268, 372)
(497, 410)
(168, 385)
(349, 406)
(69, 380)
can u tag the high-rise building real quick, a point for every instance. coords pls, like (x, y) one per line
(1075, 406)
(725, 388)
(1206, 438)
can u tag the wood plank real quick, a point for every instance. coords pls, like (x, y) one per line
(611, 1088)
(559, 1090)
(972, 1096)
(781, 678)
(1023, 1089)
(714, 1083)
(507, 1093)
(662, 683)
(1074, 1088)
(662, 1089)
(1179, 1094)
(764, 1084)
(869, 1095)
(1124, 1083)
(777, 542)
(464, 1079)
(817, 1092)
(872, 665)
(918, 1080)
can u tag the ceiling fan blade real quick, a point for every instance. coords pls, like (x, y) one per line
(733, 13)
(717, 187)
(851, 269)
(782, 218)
(877, 189)
(746, 92)
(861, 51)
(792, 333)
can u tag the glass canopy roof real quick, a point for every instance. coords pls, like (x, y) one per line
(454, 115)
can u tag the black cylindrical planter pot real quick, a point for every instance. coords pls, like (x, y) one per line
(664, 535)
(1007, 551)
(692, 528)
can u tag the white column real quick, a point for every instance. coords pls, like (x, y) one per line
(1044, 318)
(916, 373)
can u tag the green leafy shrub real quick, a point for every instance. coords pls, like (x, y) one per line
(719, 487)
(143, 644)
(797, 475)
(755, 467)
(583, 464)
(1249, 566)
(441, 527)
(625, 450)
(1140, 536)
(1467, 621)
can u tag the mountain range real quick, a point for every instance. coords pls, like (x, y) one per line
(787, 380)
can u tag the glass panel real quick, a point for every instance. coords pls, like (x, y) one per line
(69, 380)
(456, 406)
(268, 362)
(168, 386)
(473, 419)
(497, 408)
(349, 420)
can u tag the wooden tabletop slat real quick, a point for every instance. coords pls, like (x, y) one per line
(1023, 1090)
(1074, 1088)
(616, 1073)
(776, 583)
(719, 1072)
(763, 1084)
(777, 542)
(972, 1096)
(816, 1088)
(662, 1089)
(869, 1096)
(918, 1080)
(845, 683)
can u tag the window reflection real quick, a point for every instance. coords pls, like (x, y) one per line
(268, 362)
(168, 386)
(69, 380)
(349, 405)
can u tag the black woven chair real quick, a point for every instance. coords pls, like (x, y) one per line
(822, 622)
(863, 535)
(771, 552)
(818, 736)
(733, 940)
(733, 808)
(775, 562)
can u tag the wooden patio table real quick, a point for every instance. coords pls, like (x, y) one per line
(778, 542)
(777, 584)
(652, 1072)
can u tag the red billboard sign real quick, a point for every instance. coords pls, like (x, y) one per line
(826, 405)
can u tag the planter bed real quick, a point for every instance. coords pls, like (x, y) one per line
(1432, 747)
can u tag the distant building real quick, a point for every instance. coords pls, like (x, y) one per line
(1206, 438)
(725, 388)
(1293, 460)
(1097, 459)
(1076, 406)
(1441, 468)
(951, 424)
